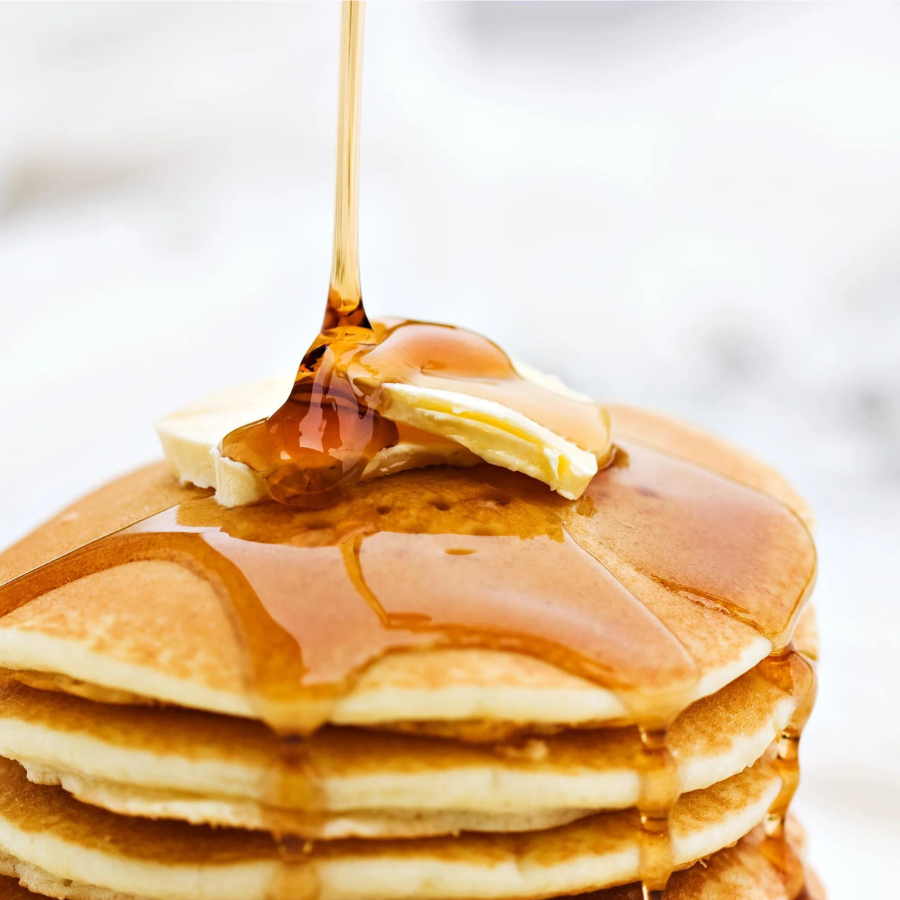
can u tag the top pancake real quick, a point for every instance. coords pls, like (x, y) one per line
(706, 556)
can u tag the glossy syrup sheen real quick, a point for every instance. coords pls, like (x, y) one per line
(476, 557)
(334, 422)
(790, 671)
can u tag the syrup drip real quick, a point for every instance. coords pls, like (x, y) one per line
(788, 765)
(660, 789)
(296, 878)
(791, 671)
(794, 674)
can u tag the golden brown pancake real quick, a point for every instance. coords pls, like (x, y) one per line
(751, 870)
(178, 763)
(43, 830)
(677, 438)
(704, 564)
(743, 872)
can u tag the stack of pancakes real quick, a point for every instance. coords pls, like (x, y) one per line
(140, 761)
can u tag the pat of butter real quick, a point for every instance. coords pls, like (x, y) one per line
(189, 435)
(493, 432)
(436, 428)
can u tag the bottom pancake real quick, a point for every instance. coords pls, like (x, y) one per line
(746, 871)
(44, 830)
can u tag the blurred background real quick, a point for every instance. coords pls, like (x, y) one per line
(690, 207)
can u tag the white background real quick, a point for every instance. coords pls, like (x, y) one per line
(695, 208)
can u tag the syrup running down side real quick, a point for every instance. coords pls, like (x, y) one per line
(660, 790)
(788, 670)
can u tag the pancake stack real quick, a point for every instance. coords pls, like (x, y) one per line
(452, 684)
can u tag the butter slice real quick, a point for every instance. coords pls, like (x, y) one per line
(188, 436)
(436, 427)
(495, 433)
(190, 441)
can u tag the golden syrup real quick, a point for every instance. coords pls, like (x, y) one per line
(797, 882)
(317, 596)
(794, 672)
(781, 854)
(791, 671)
(660, 788)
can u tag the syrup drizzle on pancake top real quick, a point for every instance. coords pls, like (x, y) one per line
(336, 574)
(316, 596)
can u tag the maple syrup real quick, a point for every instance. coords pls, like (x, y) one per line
(660, 789)
(794, 672)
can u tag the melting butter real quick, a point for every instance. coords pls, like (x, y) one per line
(190, 440)
(435, 427)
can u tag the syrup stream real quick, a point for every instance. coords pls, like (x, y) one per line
(322, 439)
(344, 293)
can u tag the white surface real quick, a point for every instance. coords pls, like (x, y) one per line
(690, 207)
